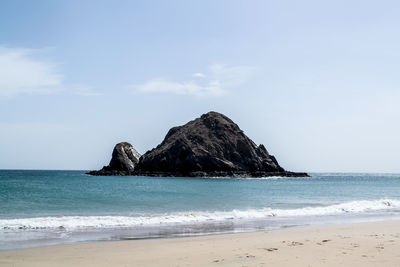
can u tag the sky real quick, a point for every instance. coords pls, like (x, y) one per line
(316, 82)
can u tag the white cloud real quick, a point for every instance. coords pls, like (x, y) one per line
(198, 75)
(216, 82)
(21, 73)
(181, 88)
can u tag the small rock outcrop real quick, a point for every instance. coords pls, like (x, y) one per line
(209, 146)
(123, 161)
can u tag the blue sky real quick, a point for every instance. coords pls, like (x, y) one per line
(317, 82)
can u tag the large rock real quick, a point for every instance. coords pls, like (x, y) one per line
(212, 145)
(123, 161)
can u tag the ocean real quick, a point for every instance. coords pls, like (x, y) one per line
(40, 208)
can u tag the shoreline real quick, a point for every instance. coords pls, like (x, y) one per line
(32, 237)
(199, 174)
(359, 244)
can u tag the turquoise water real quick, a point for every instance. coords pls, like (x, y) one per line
(59, 205)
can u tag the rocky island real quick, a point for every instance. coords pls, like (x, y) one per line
(123, 161)
(209, 146)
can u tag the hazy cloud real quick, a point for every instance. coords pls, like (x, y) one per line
(216, 82)
(198, 75)
(21, 73)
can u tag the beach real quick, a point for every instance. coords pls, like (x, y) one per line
(199, 133)
(362, 244)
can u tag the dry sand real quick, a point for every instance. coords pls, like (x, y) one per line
(366, 244)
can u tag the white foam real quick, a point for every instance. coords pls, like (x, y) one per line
(87, 222)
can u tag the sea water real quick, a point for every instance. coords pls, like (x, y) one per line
(57, 207)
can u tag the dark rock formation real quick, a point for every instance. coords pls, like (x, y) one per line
(212, 145)
(209, 146)
(123, 161)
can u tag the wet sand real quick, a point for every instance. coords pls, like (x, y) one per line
(365, 244)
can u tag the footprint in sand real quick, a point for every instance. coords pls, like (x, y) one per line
(294, 243)
(323, 241)
(270, 249)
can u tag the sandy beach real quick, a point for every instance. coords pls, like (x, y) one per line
(365, 244)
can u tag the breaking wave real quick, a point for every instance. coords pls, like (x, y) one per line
(90, 222)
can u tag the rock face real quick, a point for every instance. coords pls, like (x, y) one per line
(123, 161)
(212, 145)
(209, 146)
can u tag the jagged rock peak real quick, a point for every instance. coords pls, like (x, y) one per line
(124, 157)
(123, 161)
(212, 145)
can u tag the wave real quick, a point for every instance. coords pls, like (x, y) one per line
(90, 222)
